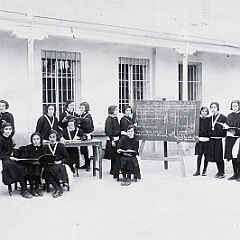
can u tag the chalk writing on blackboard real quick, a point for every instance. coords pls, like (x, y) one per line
(167, 120)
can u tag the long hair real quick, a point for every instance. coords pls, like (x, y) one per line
(36, 134)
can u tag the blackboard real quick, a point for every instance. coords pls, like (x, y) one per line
(167, 120)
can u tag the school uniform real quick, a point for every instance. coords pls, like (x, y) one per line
(87, 126)
(12, 171)
(56, 171)
(203, 142)
(45, 124)
(72, 151)
(124, 123)
(128, 164)
(112, 131)
(7, 117)
(63, 125)
(216, 133)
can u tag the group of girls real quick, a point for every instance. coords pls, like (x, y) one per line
(212, 130)
(45, 141)
(122, 145)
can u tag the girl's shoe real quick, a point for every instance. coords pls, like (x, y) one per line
(123, 183)
(128, 182)
(34, 193)
(26, 194)
(204, 173)
(57, 194)
(40, 194)
(196, 173)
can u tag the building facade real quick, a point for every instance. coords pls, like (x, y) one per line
(106, 53)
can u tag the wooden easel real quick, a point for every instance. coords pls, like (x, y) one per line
(166, 158)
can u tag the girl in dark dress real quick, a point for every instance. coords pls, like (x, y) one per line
(47, 122)
(6, 117)
(216, 133)
(126, 120)
(203, 141)
(112, 130)
(13, 171)
(232, 141)
(71, 132)
(56, 171)
(66, 115)
(128, 150)
(34, 151)
(87, 126)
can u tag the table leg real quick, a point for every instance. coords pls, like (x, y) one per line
(94, 160)
(100, 161)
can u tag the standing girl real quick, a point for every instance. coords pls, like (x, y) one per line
(55, 172)
(47, 122)
(112, 130)
(216, 133)
(12, 171)
(232, 141)
(71, 132)
(87, 127)
(34, 150)
(126, 120)
(6, 117)
(203, 141)
(69, 111)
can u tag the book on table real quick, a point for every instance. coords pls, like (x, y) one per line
(225, 126)
(46, 158)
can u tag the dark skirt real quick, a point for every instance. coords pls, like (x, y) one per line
(34, 169)
(13, 171)
(230, 141)
(215, 150)
(201, 148)
(57, 170)
(129, 164)
(111, 152)
(74, 155)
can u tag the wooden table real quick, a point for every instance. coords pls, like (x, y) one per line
(97, 152)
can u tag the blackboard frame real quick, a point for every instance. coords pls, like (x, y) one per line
(190, 105)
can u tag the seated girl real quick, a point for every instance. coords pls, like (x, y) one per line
(71, 132)
(34, 150)
(12, 171)
(128, 151)
(56, 171)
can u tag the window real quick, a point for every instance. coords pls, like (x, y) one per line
(60, 78)
(194, 88)
(133, 80)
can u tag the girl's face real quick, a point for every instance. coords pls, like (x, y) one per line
(235, 107)
(71, 107)
(204, 112)
(2, 107)
(130, 133)
(36, 140)
(115, 113)
(82, 109)
(128, 111)
(71, 125)
(214, 108)
(7, 131)
(51, 110)
(52, 138)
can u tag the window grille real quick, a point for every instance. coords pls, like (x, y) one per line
(194, 83)
(133, 80)
(60, 78)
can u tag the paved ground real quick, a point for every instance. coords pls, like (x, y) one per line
(163, 205)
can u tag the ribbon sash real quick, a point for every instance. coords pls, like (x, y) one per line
(54, 149)
(50, 123)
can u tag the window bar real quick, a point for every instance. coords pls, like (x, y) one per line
(56, 85)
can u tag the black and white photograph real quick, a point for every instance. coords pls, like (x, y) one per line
(119, 120)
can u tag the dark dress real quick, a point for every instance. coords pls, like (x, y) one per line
(12, 171)
(45, 124)
(7, 117)
(204, 127)
(63, 125)
(57, 170)
(112, 129)
(216, 133)
(33, 169)
(130, 164)
(72, 151)
(125, 122)
(233, 120)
